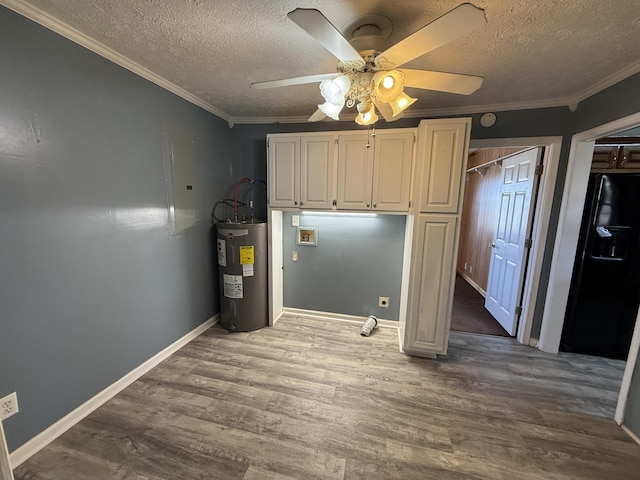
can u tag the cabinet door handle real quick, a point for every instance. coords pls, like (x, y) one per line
(300, 203)
(295, 203)
(368, 205)
(375, 205)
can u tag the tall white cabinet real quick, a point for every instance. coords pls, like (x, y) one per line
(438, 187)
(418, 173)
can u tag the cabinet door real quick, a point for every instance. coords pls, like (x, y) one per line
(355, 172)
(317, 171)
(604, 156)
(629, 156)
(443, 154)
(283, 171)
(431, 289)
(392, 161)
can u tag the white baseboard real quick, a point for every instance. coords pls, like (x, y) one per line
(339, 317)
(31, 447)
(633, 436)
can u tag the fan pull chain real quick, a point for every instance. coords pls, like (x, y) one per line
(371, 133)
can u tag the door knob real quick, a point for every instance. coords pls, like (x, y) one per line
(492, 245)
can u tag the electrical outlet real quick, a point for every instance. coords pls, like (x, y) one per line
(8, 405)
(383, 302)
(294, 255)
(295, 220)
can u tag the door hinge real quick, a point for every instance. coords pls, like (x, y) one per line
(336, 141)
(539, 169)
(528, 243)
(409, 203)
(518, 311)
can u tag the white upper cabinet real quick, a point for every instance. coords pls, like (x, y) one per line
(392, 161)
(355, 172)
(284, 171)
(301, 170)
(443, 146)
(317, 171)
(374, 172)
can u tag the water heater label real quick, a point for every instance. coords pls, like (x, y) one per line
(247, 270)
(222, 253)
(233, 286)
(246, 255)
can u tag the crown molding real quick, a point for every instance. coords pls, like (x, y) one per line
(67, 31)
(607, 82)
(494, 107)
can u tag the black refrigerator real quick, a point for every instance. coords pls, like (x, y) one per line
(605, 286)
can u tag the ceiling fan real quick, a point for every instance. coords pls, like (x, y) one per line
(368, 73)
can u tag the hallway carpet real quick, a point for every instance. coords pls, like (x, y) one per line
(469, 314)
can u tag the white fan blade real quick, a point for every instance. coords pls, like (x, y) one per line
(454, 24)
(317, 116)
(386, 111)
(316, 24)
(442, 82)
(294, 81)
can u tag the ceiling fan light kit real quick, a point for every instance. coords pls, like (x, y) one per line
(334, 90)
(368, 116)
(370, 78)
(400, 103)
(331, 110)
(387, 85)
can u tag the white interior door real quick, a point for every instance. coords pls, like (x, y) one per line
(508, 250)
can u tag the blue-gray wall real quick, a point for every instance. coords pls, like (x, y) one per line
(357, 260)
(91, 283)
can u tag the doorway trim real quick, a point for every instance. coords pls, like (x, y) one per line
(566, 243)
(6, 473)
(540, 227)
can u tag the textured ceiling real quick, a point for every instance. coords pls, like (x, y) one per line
(531, 53)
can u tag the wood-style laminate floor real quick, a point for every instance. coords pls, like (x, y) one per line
(312, 399)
